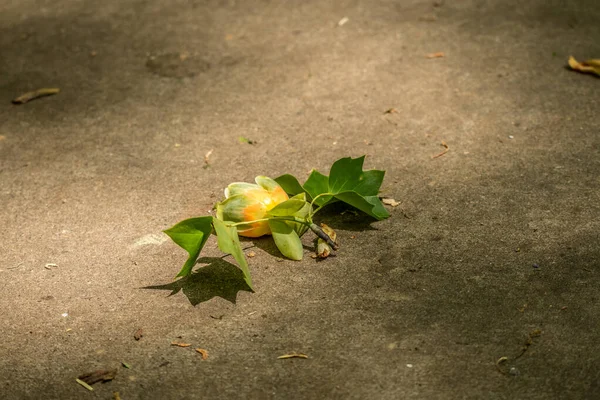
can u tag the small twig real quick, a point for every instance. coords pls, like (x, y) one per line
(501, 360)
(85, 385)
(292, 355)
(439, 54)
(533, 334)
(319, 232)
(443, 152)
(206, 156)
(35, 94)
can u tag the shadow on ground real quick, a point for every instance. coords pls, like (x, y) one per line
(217, 279)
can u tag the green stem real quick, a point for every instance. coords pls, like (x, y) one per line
(290, 218)
(313, 202)
(308, 222)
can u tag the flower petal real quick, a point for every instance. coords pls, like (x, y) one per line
(276, 193)
(257, 229)
(240, 208)
(240, 188)
(266, 183)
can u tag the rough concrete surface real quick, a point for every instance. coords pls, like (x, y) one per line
(494, 251)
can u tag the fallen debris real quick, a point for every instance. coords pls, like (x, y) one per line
(180, 344)
(100, 375)
(443, 152)
(36, 94)
(439, 54)
(391, 111)
(251, 254)
(533, 334)
(589, 66)
(499, 363)
(203, 352)
(324, 250)
(242, 139)
(206, 156)
(502, 360)
(343, 21)
(390, 202)
(85, 385)
(292, 355)
(138, 334)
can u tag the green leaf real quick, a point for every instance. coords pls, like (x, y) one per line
(286, 239)
(191, 235)
(349, 183)
(347, 175)
(369, 183)
(289, 184)
(346, 182)
(368, 204)
(297, 207)
(229, 242)
(287, 208)
(302, 213)
(317, 184)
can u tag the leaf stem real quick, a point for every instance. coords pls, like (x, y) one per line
(307, 222)
(318, 208)
(290, 218)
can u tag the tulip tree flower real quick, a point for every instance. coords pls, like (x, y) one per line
(283, 208)
(248, 202)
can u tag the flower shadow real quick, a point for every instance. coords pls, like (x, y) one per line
(217, 279)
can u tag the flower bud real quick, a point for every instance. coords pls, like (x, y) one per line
(250, 202)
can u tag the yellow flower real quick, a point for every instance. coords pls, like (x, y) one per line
(250, 202)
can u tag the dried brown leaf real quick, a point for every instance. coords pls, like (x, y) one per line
(439, 54)
(390, 202)
(203, 352)
(323, 249)
(589, 66)
(446, 149)
(180, 344)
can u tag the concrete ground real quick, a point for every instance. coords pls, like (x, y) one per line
(483, 284)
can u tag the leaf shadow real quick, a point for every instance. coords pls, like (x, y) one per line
(267, 245)
(345, 217)
(219, 278)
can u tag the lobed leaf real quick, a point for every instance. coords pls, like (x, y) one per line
(286, 239)
(290, 184)
(317, 184)
(191, 235)
(346, 182)
(229, 242)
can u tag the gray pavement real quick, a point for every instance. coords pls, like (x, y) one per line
(494, 251)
